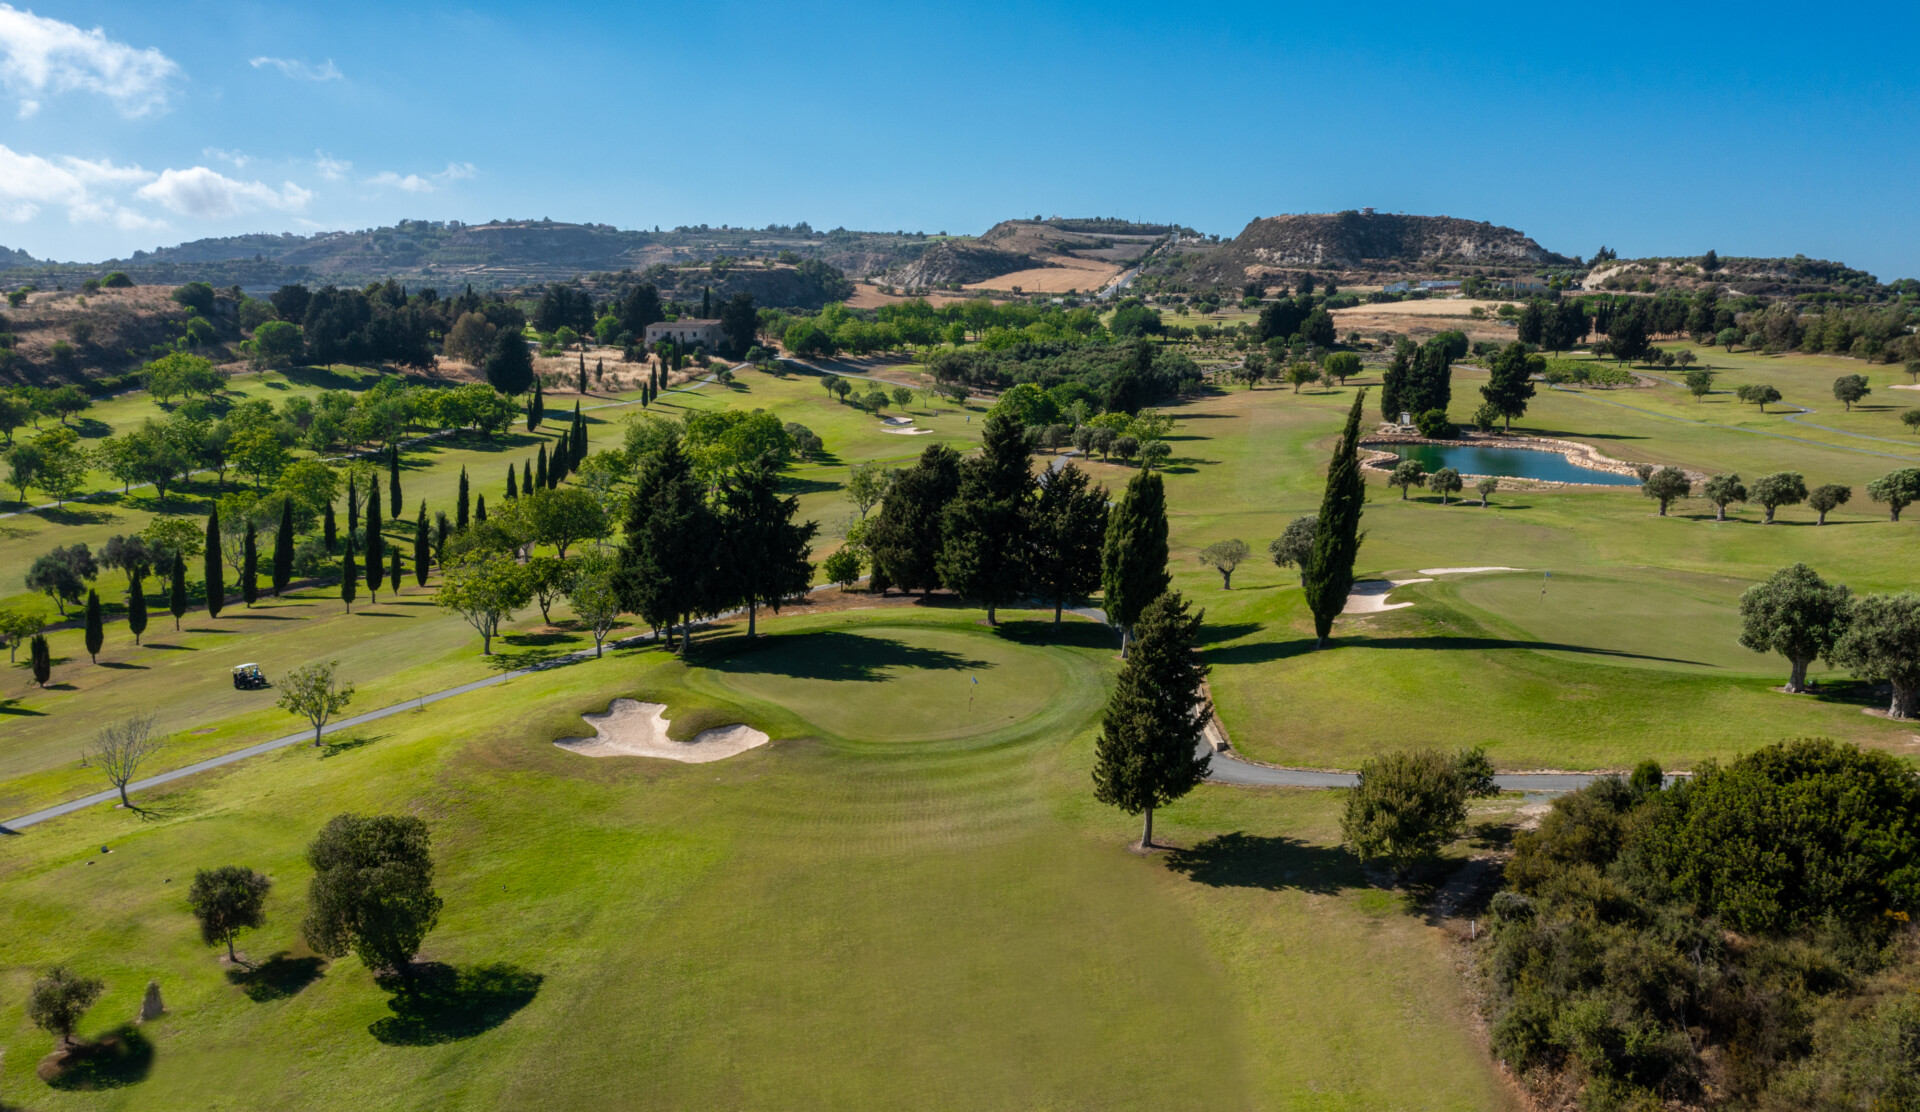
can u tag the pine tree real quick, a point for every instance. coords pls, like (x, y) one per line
(1156, 716)
(212, 568)
(283, 549)
(374, 542)
(1336, 541)
(96, 632)
(668, 565)
(909, 533)
(460, 503)
(349, 577)
(768, 551)
(540, 472)
(394, 570)
(41, 658)
(177, 592)
(137, 606)
(1069, 524)
(987, 521)
(421, 552)
(250, 567)
(480, 510)
(393, 478)
(1133, 560)
(329, 531)
(513, 484)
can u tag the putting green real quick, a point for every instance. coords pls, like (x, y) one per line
(1635, 617)
(897, 682)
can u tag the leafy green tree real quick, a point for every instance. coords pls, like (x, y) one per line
(59, 999)
(226, 901)
(769, 548)
(1797, 614)
(62, 574)
(1410, 804)
(1294, 546)
(315, 692)
(548, 579)
(1667, 485)
(984, 556)
(1133, 556)
(1782, 488)
(485, 591)
(564, 517)
(1065, 535)
(867, 484)
(372, 890)
(1827, 497)
(1722, 490)
(1407, 474)
(843, 568)
(1850, 389)
(1882, 641)
(1760, 394)
(1301, 374)
(509, 366)
(593, 592)
(1727, 337)
(1510, 380)
(1446, 482)
(1486, 486)
(1146, 754)
(1911, 419)
(1898, 489)
(909, 533)
(1791, 835)
(668, 570)
(1224, 557)
(1336, 541)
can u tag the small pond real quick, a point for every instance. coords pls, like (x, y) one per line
(1519, 463)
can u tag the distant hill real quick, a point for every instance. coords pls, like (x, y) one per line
(1356, 244)
(1012, 246)
(10, 258)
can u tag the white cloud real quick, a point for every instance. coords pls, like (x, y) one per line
(209, 195)
(414, 183)
(331, 168)
(28, 183)
(238, 160)
(40, 56)
(301, 71)
(104, 172)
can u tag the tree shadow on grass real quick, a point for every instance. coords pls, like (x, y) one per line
(1073, 630)
(1262, 651)
(349, 744)
(73, 514)
(12, 706)
(276, 978)
(123, 1057)
(442, 1003)
(122, 665)
(832, 655)
(1241, 860)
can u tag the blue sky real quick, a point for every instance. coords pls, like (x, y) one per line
(1656, 129)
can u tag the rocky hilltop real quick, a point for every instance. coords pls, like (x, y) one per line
(1016, 245)
(1358, 243)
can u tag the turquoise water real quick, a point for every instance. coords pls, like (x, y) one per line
(1520, 463)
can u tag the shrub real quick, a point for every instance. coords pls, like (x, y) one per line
(1434, 425)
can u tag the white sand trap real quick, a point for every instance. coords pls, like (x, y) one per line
(898, 421)
(1369, 596)
(632, 729)
(1906, 386)
(1463, 571)
(907, 432)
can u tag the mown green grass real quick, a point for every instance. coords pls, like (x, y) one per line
(830, 921)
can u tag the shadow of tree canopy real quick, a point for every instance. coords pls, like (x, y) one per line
(276, 978)
(1072, 631)
(123, 1057)
(441, 1003)
(1261, 651)
(1242, 860)
(833, 655)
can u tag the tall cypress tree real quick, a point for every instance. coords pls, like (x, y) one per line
(250, 567)
(987, 521)
(526, 476)
(353, 508)
(480, 510)
(329, 531)
(96, 632)
(283, 549)
(460, 503)
(557, 466)
(540, 472)
(1134, 559)
(706, 302)
(393, 478)
(421, 552)
(41, 658)
(374, 541)
(177, 591)
(394, 570)
(349, 577)
(576, 439)
(1150, 734)
(213, 568)
(583, 372)
(137, 606)
(1336, 540)
(513, 483)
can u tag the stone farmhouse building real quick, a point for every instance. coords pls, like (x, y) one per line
(688, 333)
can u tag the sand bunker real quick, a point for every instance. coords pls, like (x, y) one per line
(632, 729)
(1369, 596)
(1463, 571)
(907, 431)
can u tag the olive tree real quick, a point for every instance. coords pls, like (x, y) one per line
(226, 901)
(59, 999)
(485, 590)
(314, 693)
(1797, 614)
(1447, 482)
(1782, 488)
(1722, 490)
(1898, 489)
(1826, 497)
(594, 595)
(1486, 486)
(1223, 557)
(372, 890)
(1294, 546)
(1411, 803)
(1667, 485)
(1850, 389)
(1882, 641)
